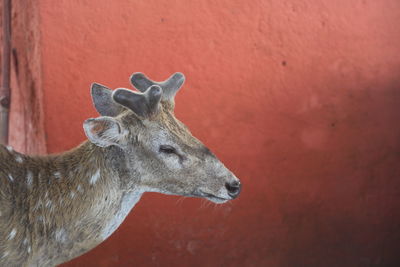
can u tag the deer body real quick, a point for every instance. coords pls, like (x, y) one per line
(55, 208)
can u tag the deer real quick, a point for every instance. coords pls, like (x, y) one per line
(56, 207)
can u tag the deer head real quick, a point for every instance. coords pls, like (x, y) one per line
(158, 151)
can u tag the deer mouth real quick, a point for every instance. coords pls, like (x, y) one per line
(210, 197)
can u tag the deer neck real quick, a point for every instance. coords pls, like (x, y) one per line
(75, 201)
(95, 179)
(102, 193)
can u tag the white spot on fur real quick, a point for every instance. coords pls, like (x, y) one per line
(10, 177)
(12, 234)
(57, 175)
(61, 235)
(80, 189)
(5, 254)
(72, 194)
(29, 178)
(48, 203)
(10, 148)
(95, 177)
(128, 201)
(26, 243)
(19, 159)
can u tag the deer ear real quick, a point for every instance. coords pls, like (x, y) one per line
(104, 131)
(103, 102)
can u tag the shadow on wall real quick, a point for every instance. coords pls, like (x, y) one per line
(338, 204)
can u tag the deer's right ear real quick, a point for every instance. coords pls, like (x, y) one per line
(104, 131)
(103, 102)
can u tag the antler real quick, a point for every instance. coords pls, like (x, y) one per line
(143, 104)
(169, 87)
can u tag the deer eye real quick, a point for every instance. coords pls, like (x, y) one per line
(167, 149)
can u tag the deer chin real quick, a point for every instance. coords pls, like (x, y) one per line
(217, 200)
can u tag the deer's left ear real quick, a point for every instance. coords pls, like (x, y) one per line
(104, 131)
(103, 102)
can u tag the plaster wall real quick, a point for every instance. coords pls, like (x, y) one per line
(301, 99)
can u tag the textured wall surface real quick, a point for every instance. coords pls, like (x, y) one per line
(301, 99)
(26, 129)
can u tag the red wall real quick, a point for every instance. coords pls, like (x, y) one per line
(26, 122)
(301, 99)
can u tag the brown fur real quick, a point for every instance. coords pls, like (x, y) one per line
(51, 203)
(54, 208)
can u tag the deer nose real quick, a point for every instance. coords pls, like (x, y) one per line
(233, 189)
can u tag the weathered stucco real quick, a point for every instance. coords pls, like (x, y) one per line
(26, 130)
(301, 99)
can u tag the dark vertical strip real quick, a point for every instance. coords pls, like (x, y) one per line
(5, 81)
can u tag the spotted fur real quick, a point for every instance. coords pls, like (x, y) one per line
(54, 208)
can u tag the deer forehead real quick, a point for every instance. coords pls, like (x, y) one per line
(169, 132)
